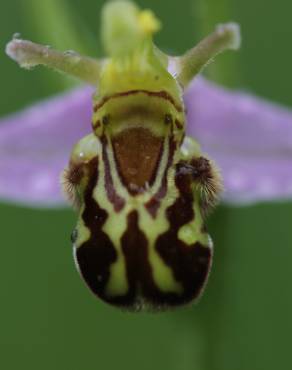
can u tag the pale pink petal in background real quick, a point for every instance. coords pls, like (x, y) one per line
(250, 139)
(35, 145)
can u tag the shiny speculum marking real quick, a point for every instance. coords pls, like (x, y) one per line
(137, 153)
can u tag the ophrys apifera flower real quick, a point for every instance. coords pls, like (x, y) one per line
(141, 188)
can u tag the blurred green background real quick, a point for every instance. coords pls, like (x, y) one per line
(50, 320)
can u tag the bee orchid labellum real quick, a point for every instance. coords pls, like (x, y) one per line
(141, 188)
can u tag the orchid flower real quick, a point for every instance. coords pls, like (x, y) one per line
(248, 137)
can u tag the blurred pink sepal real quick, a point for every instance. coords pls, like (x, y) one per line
(35, 146)
(249, 138)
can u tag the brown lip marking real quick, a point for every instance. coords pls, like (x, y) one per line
(153, 204)
(160, 94)
(95, 256)
(117, 201)
(139, 272)
(189, 263)
(131, 148)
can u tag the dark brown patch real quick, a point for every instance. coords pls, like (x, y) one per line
(74, 173)
(189, 263)
(201, 169)
(209, 180)
(117, 201)
(134, 247)
(71, 179)
(178, 124)
(95, 256)
(137, 154)
(96, 124)
(160, 94)
(168, 119)
(106, 119)
(153, 204)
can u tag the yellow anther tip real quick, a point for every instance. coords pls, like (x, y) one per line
(148, 22)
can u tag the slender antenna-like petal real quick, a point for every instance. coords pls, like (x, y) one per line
(249, 138)
(28, 54)
(226, 36)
